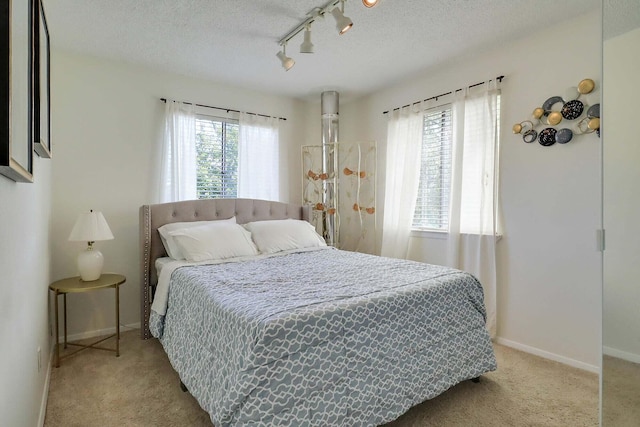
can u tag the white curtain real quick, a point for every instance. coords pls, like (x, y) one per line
(473, 212)
(259, 157)
(177, 173)
(404, 140)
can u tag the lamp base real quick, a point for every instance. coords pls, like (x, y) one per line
(90, 263)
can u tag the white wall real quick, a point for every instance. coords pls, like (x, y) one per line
(24, 280)
(107, 118)
(621, 328)
(548, 267)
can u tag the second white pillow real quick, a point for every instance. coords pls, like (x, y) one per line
(280, 235)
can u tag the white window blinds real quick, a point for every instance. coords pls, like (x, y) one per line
(432, 203)
(217, 158)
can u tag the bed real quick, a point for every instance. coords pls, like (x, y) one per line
(312, 336)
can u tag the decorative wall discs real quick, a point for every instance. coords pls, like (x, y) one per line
(571, 106)
(554, 118)
(538, 112)
(547, 137)
(589, 125)
(549, 103)
(530, 136)
(586, 86)
(564, 135)
(594, 111)
(572, 109)
(522, 127)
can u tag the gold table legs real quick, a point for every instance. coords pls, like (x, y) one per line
(84, 346)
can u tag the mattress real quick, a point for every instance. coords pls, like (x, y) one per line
(324, 337)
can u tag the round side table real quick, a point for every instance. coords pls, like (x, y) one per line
(75, 284)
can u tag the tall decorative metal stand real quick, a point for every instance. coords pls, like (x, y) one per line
(338, 181)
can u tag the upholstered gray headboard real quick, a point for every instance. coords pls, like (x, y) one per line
(154, 216)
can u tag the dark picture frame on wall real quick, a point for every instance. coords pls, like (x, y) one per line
(42, 85)
(16, 89)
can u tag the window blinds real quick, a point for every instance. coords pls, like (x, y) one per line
(432, 203)
(217, 158)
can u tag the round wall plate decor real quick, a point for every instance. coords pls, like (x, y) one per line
(564, 135)
(529, 136)
(586, 86)
(551, 102)
(572, 109)
(547, 137)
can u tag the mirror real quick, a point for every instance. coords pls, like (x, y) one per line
(621, 214)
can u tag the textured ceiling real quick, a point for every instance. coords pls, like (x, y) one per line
(235, 41)
(620, 16)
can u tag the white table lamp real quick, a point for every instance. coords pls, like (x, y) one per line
(90, 227)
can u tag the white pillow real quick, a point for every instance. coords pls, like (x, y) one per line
(214, 241)
(167, 240)
(280, 235)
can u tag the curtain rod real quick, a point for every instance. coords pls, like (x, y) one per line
(226, 109)
(499, 78)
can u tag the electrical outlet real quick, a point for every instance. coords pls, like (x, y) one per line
(39, 360)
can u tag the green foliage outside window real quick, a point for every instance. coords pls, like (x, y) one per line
(217, 157)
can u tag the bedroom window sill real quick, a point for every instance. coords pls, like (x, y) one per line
(438, 235)
(429, 234)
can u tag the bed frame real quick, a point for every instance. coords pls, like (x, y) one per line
(154, 216)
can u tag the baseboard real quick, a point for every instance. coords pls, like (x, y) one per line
(624, 355)
(99, 332)
(45, 392)
(548, 355)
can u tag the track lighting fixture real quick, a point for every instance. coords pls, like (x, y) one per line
(307, 46)
(343, 23)
(287, 62)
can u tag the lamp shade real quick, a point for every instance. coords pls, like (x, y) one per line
(287, 62)
(90, 227)
(306, 46)
(343, 23)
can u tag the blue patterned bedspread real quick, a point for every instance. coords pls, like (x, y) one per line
(322, 338)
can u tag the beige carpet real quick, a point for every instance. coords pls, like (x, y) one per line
(94, 388)
(620, 393)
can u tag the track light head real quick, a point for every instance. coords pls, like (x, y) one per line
(343, 23)
(287, 62)
(307, 46)
(370, 3)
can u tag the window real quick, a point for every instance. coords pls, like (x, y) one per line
(217, 154)
(432, 202)
(477, 176)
